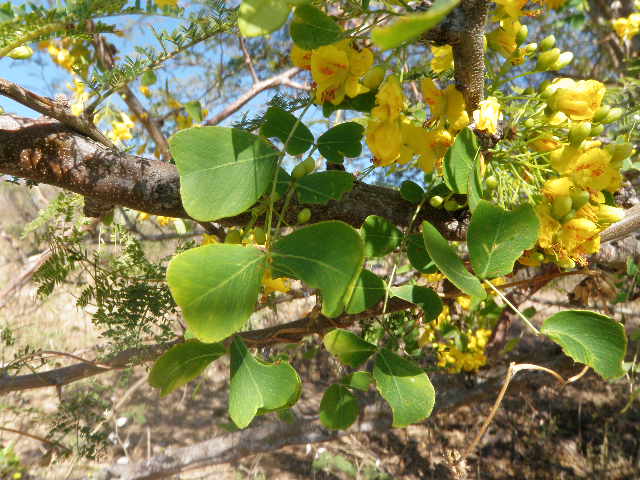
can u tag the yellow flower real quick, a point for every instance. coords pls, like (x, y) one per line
(183, 121)
(121, 130)
(576, 232)
(167, 3)
(549, 226)
(464, 301)
(446, 105)
(209, 239)
(545, 143)
(274, 284)
(80, 96)
(557, 187)
(487, 115)
(145, 90)
(627, 27)
(301, 58)
(512, 8)
(593, 170)
(144, 216)
(555, 4)
(383, 130)
(503, 39)
(579, 100)
(437, 143)
(442, 58)
(164, 221)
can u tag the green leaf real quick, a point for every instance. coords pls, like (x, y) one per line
(344, 140)
(418, 256)
(369, 291)
(194, 109)
(380, 236)
(350, 349)
(259, 17)
(279, 123)
(326, 255)
(360, 103)
(405, 387)
(320, 187)
(475, 187)
(411, 26)
(223, 171)
(257, 387)
(459, 160)
(590, 338)
(338, 408)
(182, 363)
(426, 298)
(358, 380)
(311, 28)
(497, 237)
(449, 263)
(411, 191)
(216, 286)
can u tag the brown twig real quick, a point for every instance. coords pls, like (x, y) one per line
(248, 61)
(34, 437)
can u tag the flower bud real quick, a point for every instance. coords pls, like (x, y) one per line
(299, 171)
(579, 132)
(233, 236)
(529, 122)
(451, 205)
(613, 115)
(259, 235)
(571, 214)
(491, 182)
(566, 263)
(564, 60)
(309, 165)
(373, 78)
(548, 43)
(436, 201)
(304, 215)
(579, 198)
(601, 113)
(547, 59)
(21, 53)
(608, 214)
(561, 206)
(530, 48)
(522, 35)
(597, 130)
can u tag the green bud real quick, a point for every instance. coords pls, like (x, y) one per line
(613, 115)
(530, 48)
(529, 122)
(601, 113)
(522, 35)
(304, 215)
(539, 256)
(579, 198)
(233, 236)
(569, 216)
(548, 43)
(436, 201)
(597, 130)
(565, 59)
(547, 59)
(561, 206)
(309, 165)
(491, 182)
(373, 78)
(148, 78)
(579, 132)
(259, 235)
(566, 263)
(276, 197)
(299, 171)
(451, 205)
(21, 53)
(619, 150)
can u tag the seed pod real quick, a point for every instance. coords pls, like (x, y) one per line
(304, 215)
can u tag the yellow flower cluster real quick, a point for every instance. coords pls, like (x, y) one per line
(70, 55)
(627, 27)
(336, 69)
(121, 129)
(442, 58)
(450, 357)
(80, 96)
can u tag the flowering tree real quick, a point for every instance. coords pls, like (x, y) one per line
(508, 159)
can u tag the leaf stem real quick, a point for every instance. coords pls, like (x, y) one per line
(514, 308)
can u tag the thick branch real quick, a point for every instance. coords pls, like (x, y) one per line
(45, 151)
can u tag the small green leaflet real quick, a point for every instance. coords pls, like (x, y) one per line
(370, 289)
(338, 408)
(320, 187)
(279, 123)
(257, 387)
(223, 171)
(405, 386)
(380, 236)
(358, 380)
(311, 28)
(497, 237)
(590, 338)
(418, 256)
(449, 263)
(182, 363)
(260, 17)
(350, 349)
(475, 186)
(459, 161)
(426, 298)
(344, 140)
(216, 287)
(410, 26)
(325, 255)
(411, 192)
(194, 109)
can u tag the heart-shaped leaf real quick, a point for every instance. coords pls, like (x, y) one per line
(590, 338)
(311, 28)
(257, 387)
(279, 123)
(370, 289)
(320, 187)
(449, 263)
(338, 408)
(418, 256)
(325, 255)
(411, 26)
(344, 140)
(426, 298)
(358, 380)
(350, 349)
(380, 236)
(223, 171)
(216, 286)
(497, 237)
(182, 363)
(459, 161)
(405, 387)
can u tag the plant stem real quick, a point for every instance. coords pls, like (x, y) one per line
(514, 308)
